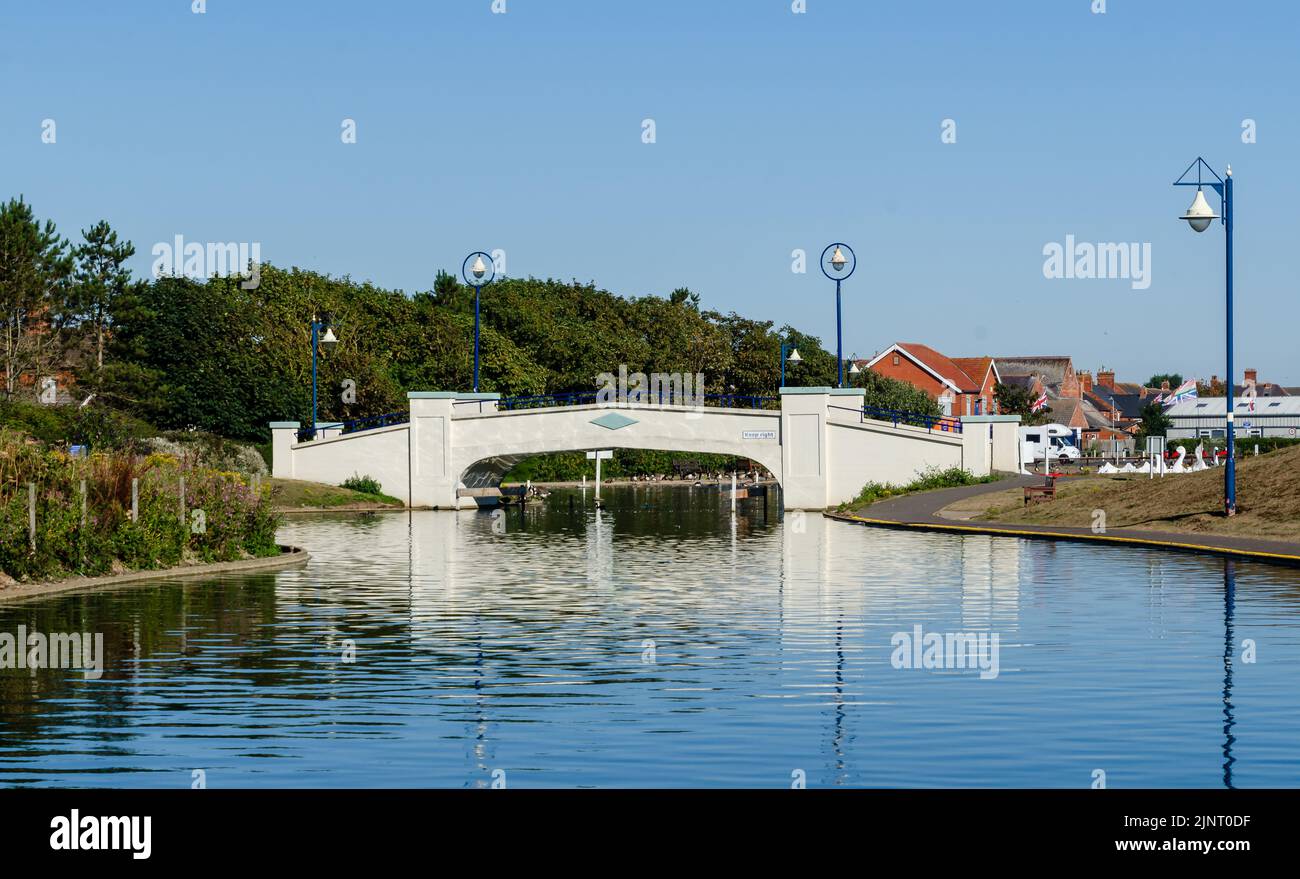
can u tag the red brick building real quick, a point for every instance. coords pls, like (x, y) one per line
(962, 385)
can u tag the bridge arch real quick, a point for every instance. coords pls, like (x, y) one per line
(487, 445)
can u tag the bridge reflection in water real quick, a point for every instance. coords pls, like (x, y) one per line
(662, 642)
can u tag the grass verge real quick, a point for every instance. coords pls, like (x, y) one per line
(929, 480)
(298, 494)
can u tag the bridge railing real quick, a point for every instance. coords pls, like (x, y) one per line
(356, 425)
(591, 398)
(942, 423)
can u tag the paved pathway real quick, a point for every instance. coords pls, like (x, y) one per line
(921, 512)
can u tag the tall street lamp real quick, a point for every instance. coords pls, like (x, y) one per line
(1199, 216)
(793, 359)
(838, 262)
(318, 341)
(483, 271)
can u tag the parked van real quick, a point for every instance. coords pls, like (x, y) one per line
(1057, 438)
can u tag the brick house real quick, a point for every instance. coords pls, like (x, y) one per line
(961, 386)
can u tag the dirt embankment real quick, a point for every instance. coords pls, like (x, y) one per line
(1268, 501)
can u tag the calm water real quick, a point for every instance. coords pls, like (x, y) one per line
(519, 645)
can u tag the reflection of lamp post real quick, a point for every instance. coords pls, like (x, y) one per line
(1199, 216)
(476, 276)
(794, 359)
(1229, 721)
(318, 341)
(838, 262)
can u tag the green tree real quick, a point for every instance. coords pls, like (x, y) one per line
(445, 286)
(890, 393)
(1175, 379)
(1154, 422)
(1015, 400)
(684, 296)
(102, 278)
(35, 274)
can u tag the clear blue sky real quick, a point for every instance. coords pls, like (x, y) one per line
(775, 131)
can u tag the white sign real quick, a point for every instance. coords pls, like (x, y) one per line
(603, 455)
(758, 434)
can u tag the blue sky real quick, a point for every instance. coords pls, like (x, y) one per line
(774, 131)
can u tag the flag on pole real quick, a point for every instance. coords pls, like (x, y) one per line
(1185, 391)
(1040, 403)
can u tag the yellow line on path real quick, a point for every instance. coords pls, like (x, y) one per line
(1063, 535)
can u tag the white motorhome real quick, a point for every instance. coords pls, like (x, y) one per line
(1059, 439)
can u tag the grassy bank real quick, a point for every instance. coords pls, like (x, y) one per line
(298, 494)
(185, 514)
(929, 480)
(1268, 501)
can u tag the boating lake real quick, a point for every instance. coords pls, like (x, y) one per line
(664, 642)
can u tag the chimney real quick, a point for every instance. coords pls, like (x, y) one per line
(1251, 376)
(1164, 386)
(1106, 378)
(1085, 381)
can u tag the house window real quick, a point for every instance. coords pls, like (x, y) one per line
(895, 359)
(979, 405)
(945, 404)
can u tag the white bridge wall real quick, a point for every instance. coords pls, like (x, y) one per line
(817, 446)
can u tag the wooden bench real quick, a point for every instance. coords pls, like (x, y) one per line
(1038, 493)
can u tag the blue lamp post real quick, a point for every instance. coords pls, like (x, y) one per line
(838, 262)
(793, 359)
(1199, 216)
(318, 341)
(481, 272)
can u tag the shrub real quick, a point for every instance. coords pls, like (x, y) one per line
(929, 479)
(363, 484)
(234, 522)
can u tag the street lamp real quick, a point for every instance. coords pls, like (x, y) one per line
(476, 275)
(318, 341)
(1199, 216)
(838, 262)
(793, 359)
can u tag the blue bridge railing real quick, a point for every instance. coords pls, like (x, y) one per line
(914, 419)
(591, 398)
(370, 422)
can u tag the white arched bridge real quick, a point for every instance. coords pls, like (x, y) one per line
(821, 444)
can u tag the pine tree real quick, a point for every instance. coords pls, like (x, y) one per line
(102, 279)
